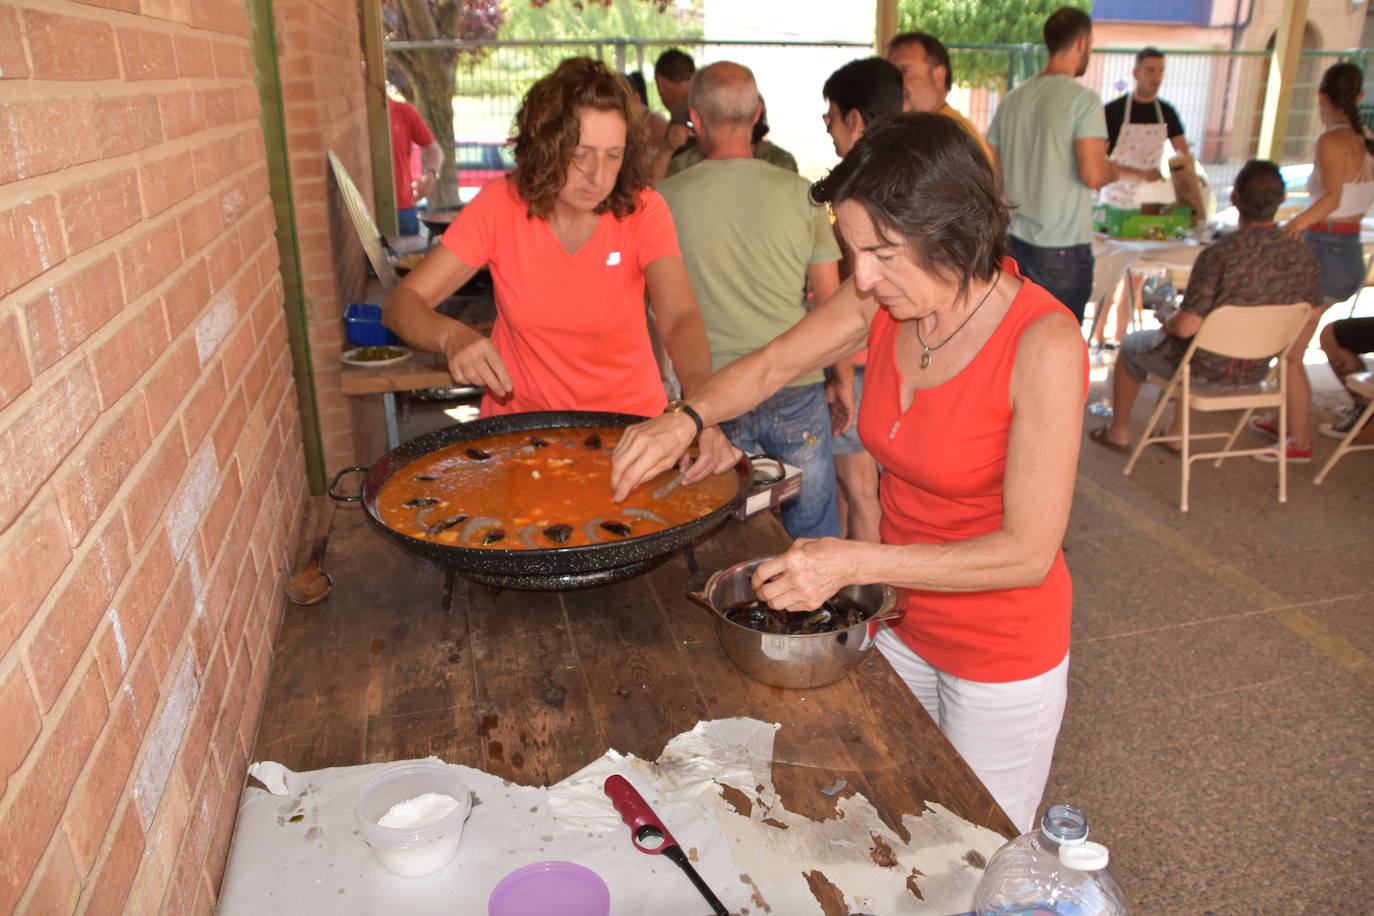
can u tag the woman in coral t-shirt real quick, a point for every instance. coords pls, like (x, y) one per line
(572, 238)
(973, 403)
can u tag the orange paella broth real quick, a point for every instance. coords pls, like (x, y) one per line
(523, 489)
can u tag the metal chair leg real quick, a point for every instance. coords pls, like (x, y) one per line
(1348, 442)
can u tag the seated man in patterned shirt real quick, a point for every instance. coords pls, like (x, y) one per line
(1259, 264)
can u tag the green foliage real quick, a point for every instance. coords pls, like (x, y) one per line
(572, 21)
(512, 70)
(978, 22)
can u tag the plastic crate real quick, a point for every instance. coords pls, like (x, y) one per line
(365, 328)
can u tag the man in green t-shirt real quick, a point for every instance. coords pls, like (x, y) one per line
(753, 239)
(1049, 143)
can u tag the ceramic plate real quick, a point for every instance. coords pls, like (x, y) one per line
(348, 360)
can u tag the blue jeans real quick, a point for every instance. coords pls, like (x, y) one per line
(1340, 259)
(794, 424)
(407, 222)
(1066, 272)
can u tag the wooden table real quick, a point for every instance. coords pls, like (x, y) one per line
(532, 686)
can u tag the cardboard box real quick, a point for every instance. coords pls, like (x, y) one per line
(1169, 223)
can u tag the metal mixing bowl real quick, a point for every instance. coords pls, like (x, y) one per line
(809, 660)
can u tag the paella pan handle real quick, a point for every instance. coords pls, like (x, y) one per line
(340, 497)
(761, 475)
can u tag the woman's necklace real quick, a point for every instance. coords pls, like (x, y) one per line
(928, 349)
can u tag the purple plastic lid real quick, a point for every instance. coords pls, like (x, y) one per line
(565, 888)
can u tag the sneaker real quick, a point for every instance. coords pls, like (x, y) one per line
(1295, 455)
(1267, 425)
(1341, 428)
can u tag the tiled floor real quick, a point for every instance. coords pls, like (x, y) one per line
(1220, 727)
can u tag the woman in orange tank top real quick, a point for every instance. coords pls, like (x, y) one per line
(973, 407)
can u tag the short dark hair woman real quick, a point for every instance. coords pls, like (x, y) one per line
(973, 406)
(572, 237)
(1341, 189)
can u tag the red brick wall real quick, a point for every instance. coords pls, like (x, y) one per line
(151, 470)
(324, 109)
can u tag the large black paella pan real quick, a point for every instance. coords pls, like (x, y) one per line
(545, 569)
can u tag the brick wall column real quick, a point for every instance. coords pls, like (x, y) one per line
(151, 471)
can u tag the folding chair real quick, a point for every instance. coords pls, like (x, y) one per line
(363, 224)
(1361, 435)
(1368, 280)
(1254, 332)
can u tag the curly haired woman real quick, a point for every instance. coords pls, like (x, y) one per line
(572, 238)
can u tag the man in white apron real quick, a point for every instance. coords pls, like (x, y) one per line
(1137, 127)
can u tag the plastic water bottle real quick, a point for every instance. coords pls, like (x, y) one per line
(1053, 871)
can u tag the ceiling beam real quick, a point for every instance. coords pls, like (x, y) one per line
(886, 24)
(1283, 73)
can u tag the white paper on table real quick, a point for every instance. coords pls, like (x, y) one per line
(320, 862)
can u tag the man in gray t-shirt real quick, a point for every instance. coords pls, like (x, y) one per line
(752, 239)
(1049, 140)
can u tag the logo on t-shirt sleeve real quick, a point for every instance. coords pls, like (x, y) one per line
(613, 259)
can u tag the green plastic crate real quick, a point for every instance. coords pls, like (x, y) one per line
(1172, 222)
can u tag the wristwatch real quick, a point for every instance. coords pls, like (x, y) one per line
(683, 407)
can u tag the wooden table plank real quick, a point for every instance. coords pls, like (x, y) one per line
(639, 681)
(536, 718)
(422, 370)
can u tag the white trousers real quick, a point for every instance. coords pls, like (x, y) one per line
(1005, 732)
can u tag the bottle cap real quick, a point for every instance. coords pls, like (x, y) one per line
(1086, 856)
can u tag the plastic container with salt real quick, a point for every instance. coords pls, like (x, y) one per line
(412, 815)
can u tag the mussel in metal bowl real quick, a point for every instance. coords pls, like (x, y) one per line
(770, 645)
(836, 613)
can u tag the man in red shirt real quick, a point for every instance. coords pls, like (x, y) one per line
(407, 129)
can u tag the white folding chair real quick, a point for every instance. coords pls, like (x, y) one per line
(1253, 332)
(1361, 435)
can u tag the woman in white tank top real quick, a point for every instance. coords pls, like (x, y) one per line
(1341, 190)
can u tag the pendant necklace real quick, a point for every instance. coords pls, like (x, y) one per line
(927, 349)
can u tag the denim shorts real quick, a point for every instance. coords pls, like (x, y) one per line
(794, 424)
(407, 221)
(847, 442)
(1341, 262)
(1066, 272)
(1139, 354)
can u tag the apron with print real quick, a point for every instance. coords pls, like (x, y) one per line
(1138, 147)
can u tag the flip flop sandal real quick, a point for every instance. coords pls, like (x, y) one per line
(1099, 436)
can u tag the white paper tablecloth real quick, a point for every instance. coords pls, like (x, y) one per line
(320, 863)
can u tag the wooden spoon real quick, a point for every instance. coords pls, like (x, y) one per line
(312, 584)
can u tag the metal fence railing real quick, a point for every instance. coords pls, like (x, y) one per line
(1219, 94)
